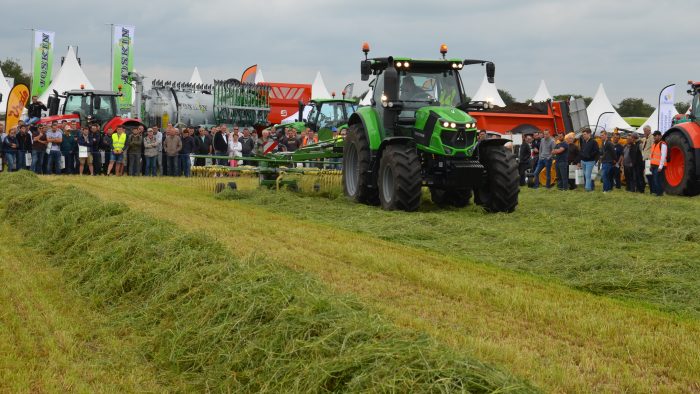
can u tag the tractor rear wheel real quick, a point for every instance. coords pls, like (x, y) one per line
(679, 176)
(454, 197)
(399, 180)
(499, 193)
(357, 179)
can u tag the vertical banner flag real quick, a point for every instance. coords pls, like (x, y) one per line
(122, 63)
(16, 100)
(42, 61)
(347, 90)
(249, 74)
(666, 107)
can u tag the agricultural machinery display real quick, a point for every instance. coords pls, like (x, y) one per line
(322, 115)
(682, 173)
(416, 133)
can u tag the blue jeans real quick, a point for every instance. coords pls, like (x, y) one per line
(607, 176)
(150, 166)
(171, 165)
(54, 162)
(185, 165)
(587, 174)
(38, 161)
(21, 159)
(221, 162)
(655, 186)
(543, 164)
(70, 163)
(563, 175)
(11, 158)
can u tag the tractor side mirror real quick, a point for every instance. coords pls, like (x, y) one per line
(490, 71)
(53, 105)
(365, 69)
(0, 97)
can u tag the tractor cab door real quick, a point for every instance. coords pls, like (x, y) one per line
(78, 104)
(312, 118)
(104, 108)
(695, 109)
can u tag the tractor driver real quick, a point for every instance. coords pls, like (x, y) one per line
(409, 88)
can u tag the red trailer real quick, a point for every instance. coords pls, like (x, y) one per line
(522, 118)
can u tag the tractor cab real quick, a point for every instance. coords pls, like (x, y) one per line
(695, 108)
(320, 114)
(93, 105)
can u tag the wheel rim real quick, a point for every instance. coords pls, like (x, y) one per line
(676, 167)
(352, 170)
(388, 184)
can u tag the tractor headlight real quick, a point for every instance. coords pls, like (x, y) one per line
(405, 64)
(398, 64)
(453, 125)
(446, 124)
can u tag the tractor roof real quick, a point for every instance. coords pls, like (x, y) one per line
(322, 101)
(86, 92)
(380, 63)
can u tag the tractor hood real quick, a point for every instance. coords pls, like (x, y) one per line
(449, 114)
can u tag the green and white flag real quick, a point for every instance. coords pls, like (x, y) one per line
(42, 61)
(122, 63)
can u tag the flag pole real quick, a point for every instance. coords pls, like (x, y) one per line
(31, 59)
(111, 56)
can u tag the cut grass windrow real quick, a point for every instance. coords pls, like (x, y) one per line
(225, 324)
(563, 340)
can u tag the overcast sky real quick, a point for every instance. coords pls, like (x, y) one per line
(633, 47)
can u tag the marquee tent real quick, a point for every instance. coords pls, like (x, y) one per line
(599, 106)
(196, 78)
(5, 91)
(488, 92)
(69, 77)
(318, 88)
(542, 93)
(259, 76)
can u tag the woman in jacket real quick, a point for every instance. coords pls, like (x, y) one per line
(9, 145)
(235, 149)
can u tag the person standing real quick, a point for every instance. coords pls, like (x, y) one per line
(150, 150)
(561, 155)
(39, 143)
(116, 159)
(172, 145)
(185, 152)
(646, 144)
(247, 145)
(221, 144)
(589, 156)
(54, 138)
(631, 162)
(24, 147)
(607, 161)
(106, 145)
(545, 159)
(158, 134)
(85, 144)
(202, 146)
(659, 153)
(68, 148)
(617, 167)
(135, 145)
(10, 146)
(525, 158)
(235, 149)
(574, 158)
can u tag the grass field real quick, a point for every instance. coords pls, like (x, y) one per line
(575, 292)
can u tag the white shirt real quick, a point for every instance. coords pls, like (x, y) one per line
(235, 149)
(663, 156)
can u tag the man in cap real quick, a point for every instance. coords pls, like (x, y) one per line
(659, 152)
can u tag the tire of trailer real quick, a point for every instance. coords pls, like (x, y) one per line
(357, 179)
(499, 192)
(399, 181)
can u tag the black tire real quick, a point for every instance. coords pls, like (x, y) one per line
(499, 193)
(456, 198)
(683, 153)
(357, 181)
(399, 181)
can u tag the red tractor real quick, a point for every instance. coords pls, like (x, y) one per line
(682, 174)
(88, 106)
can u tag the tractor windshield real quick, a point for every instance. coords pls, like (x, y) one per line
(103, 108)
(77, 104)
(429, 87)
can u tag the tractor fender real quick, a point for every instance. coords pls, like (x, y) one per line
(490, 142)
(118, 121)
(369, 119)
(691, 132)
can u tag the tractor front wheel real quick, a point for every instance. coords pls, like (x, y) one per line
(679, 176)
(357, 179)
(499, 192)
(399, 180)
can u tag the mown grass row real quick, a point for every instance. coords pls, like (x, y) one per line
(222, 324)
(622, 245)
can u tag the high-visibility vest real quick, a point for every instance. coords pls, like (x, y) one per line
(305, 141)
(656, 153)
(118, 142)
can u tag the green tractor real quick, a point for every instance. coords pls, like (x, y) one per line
(416, 133)
(322, 115)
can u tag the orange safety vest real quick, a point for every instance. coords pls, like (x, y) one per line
(656, 153)
(304, 142)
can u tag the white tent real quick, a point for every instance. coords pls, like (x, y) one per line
(488, 92)
(600, 105)
(69, 77)
(653, 120)
(259, 76)
(295, 117)
(542, 93)
(5, 91)
(318, 88)
(196, 78)
(367, 100)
